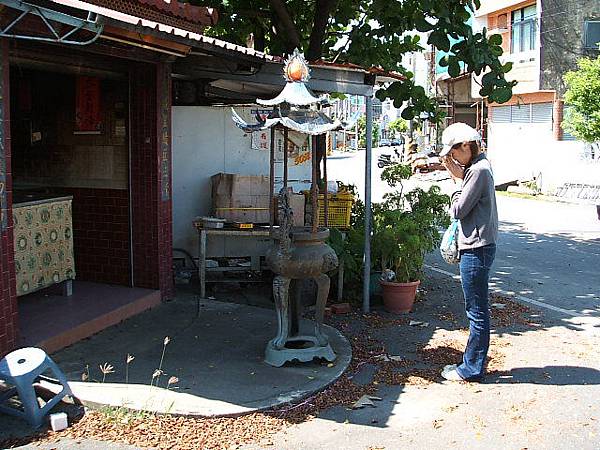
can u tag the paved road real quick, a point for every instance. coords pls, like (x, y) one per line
(548, 251)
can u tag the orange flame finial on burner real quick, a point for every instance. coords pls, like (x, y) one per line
(296, 68)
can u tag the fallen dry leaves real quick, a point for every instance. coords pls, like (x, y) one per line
(166, 432)
(511, 313)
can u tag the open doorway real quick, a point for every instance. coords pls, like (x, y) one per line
(71, 202)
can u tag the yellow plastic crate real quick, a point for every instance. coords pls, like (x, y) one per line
(339, 209)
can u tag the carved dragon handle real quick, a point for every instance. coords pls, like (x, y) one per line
(286, 220)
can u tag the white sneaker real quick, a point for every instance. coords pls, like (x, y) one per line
(449, 367)
(452, 375)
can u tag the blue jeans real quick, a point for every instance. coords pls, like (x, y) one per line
(474, 274)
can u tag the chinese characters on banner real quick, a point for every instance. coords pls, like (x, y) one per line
(298, 149)
(3, 194)
(260, 140)
(88, 113)
(302, 158)
(165, 137)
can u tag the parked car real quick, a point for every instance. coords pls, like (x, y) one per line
(385, 143)
(397, 142)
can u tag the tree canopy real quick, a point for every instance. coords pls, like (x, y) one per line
(362, 132)
(371, 33)
(582, 97)
(398, 126)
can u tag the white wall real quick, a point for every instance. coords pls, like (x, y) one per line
(514, 149)
(566, 162)
(206, 142)
(523, 151)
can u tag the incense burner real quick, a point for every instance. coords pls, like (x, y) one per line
(299, 254)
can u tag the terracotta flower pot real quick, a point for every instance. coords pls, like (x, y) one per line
(399, 297)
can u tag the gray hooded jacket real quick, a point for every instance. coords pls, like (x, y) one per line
(475, 206)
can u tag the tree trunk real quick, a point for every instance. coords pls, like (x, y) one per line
(323, 10)
(286, 24)
(259, 38)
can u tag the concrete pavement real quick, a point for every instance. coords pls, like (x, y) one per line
(547, 252)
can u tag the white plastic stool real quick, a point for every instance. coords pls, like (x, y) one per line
(22, 368)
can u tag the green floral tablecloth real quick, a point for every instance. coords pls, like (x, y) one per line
(43, 245)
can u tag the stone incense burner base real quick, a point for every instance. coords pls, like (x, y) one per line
(311, 349)
(305, 256)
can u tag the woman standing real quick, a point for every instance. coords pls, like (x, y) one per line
(475, 208)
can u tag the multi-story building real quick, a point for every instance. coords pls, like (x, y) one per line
(420, 65)
(345, 109)
(543, 39)
(454, 94)
(389, 113)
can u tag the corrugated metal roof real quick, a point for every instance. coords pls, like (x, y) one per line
(141, 23)
(199, 15)
(175, 14)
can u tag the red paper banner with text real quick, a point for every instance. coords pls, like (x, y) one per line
(88, 114)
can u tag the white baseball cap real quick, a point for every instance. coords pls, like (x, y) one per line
(457, 133)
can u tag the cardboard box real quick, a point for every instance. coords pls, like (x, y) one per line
(241, 198)
(297, 202)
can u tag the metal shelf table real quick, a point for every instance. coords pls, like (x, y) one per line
(203, 233)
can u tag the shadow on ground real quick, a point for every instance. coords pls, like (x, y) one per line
(548, 375)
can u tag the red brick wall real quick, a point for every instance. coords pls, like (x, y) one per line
(8, 294)
(101, 235)
(559, 107)
(150, 151)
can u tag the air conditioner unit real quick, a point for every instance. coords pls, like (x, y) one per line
(592, 34)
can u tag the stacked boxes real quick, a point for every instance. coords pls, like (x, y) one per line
(241, 198)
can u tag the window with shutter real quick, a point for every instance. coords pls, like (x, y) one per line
(541, 112)
(501, 114)
(521, 113)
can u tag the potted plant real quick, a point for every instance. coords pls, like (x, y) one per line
(405, 228)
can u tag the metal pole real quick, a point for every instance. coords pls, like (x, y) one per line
(367, 256)
(272, 179)
(326, 198)
(314, 188)
(285, 158)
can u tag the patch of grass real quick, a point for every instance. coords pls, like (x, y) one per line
(544, 198)
(122, 415)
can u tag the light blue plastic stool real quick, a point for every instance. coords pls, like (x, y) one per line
(21, 369)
